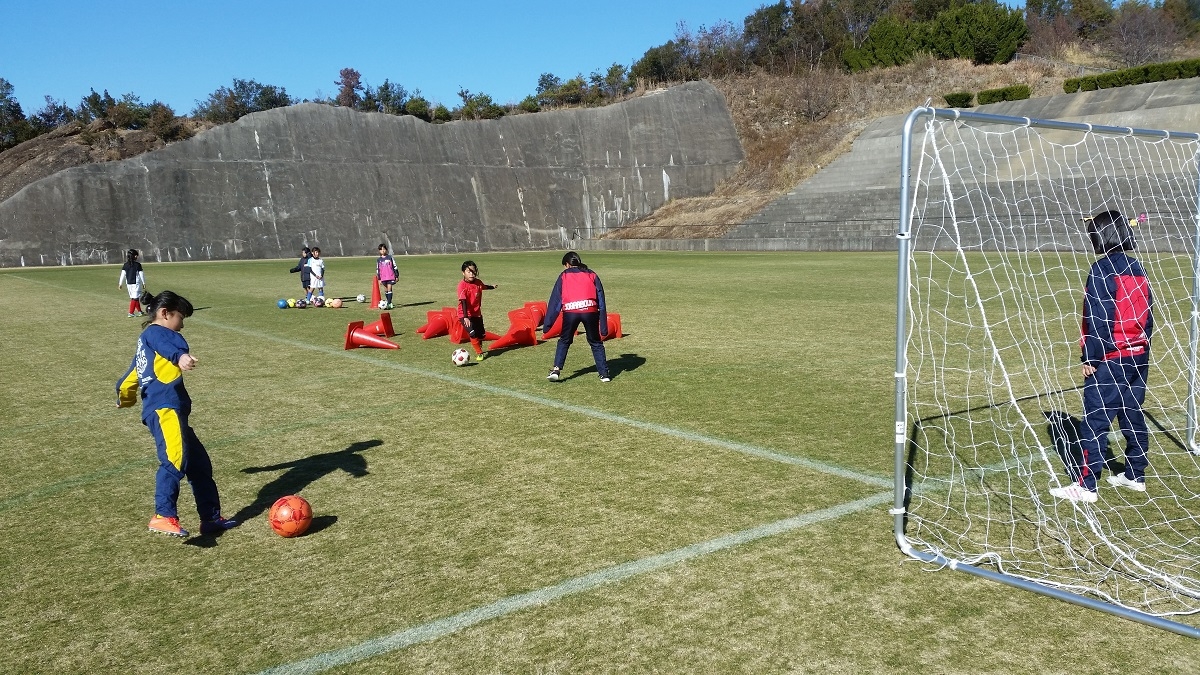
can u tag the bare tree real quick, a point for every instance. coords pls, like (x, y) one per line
(349, 87)
(1141, 34)
(858, 15)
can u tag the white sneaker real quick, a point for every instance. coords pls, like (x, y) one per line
(553, 376)
(1119, 480)
(1075, 493)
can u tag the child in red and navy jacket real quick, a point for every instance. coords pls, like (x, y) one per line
(1118, 321)
(579, 296)
(156, 376)
(470, 306)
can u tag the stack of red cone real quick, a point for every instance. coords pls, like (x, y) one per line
(358, 336)
(383, 326)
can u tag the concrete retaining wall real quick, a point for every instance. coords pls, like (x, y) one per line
(345, 181)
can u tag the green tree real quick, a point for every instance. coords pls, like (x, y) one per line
(478, 106)
(52, 115)
(418, 107)
(1091, 16)
(547, 89)
(391, 97)
(616, 81)
(246, 96)
(765, 33)
(441, 114)
(14, 128)
(94, 106)
(659, 64)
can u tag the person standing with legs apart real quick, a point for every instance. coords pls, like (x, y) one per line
(1118, 320)
(156, 377)
(387, 272)
(134, 281)
(579, 296)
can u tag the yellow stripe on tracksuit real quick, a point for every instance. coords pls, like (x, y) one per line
(172, 432)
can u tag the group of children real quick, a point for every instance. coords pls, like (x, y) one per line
(1117, 323)
(312, 273)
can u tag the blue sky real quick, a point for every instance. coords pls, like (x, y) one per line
(179, 52)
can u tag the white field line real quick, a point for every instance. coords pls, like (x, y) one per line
(441, 627)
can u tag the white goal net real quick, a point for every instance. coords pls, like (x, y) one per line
(992, 279)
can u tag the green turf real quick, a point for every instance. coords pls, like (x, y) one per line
(750, 389)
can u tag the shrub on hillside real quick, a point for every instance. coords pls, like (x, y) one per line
(959, 99)
(1154, 72)
(1017, 92)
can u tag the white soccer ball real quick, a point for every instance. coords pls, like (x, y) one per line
(460, 357)
(361, 298)
(383, 304)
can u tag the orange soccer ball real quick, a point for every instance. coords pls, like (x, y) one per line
(290, 516)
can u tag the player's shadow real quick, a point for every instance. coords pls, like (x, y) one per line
(621, 364)
(300, 473)
(416, 304)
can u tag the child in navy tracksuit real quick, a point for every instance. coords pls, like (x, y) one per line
(156, 376)
(1118, 321)
(305, 272)
(579, 296)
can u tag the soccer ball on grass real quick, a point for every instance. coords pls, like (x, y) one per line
(383, 304)
(290, 516)
(361, 298)
(460, 357)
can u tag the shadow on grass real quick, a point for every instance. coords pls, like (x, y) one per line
(621, 364)
(300, 473)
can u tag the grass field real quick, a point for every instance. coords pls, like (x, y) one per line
(720, 506)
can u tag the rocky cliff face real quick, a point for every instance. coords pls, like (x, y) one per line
(319, 175)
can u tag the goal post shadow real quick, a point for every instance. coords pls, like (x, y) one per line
(990, 219)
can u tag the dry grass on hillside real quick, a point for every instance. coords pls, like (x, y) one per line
(792, 126)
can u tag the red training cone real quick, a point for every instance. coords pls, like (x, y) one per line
(614, 327)
(520, 336)
(358, 336)
(458, 332)
(520, 318)
(435, 326)
(537, 310)
(375, 290)
(555, 328)
(383, 326)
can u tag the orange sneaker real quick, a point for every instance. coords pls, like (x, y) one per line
(167, 526)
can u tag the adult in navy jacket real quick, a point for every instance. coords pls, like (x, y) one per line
(1118, 321)
(579, 296)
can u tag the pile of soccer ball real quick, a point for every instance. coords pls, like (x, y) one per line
(302, 303)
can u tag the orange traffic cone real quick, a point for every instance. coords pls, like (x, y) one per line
(458, 332)
(537, 310)
(521, 336)
(555, 329)
(520, 318)
(375, 298)
(614, 326)
(435, 325)
(383, 326)
(358, 336)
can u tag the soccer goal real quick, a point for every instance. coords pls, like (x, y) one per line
(993, 260)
